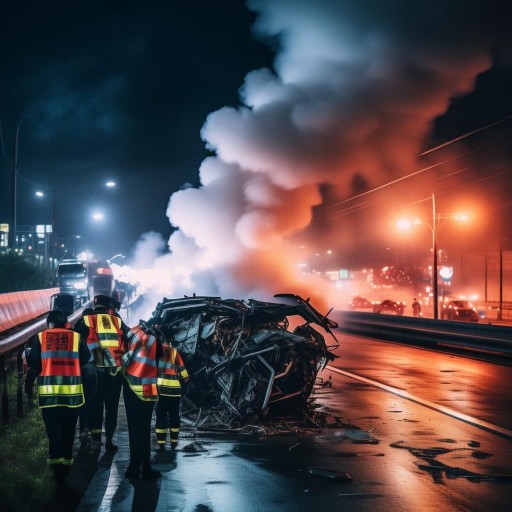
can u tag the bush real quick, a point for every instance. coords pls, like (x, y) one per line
(21, 272)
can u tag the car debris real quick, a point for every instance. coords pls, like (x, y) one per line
(247, 359)
(330, 474)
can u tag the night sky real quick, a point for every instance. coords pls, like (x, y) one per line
(299, 107)
(115, 90)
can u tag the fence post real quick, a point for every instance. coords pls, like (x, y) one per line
(19, 393)
(5, 399)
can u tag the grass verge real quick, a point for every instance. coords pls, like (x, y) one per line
(25, 481)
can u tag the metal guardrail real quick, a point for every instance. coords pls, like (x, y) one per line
(427, 332)
(12, 346)
(19, 307)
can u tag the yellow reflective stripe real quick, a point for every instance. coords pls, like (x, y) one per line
(56, 461)
(139, 391)
(109, 343)
(60, 389)
(67, 462)
(76, 341)
(172, 383)
(175, 430)
(161, 430)
(184, 374)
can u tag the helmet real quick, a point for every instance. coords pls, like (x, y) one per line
(103, 300)
(56, 318)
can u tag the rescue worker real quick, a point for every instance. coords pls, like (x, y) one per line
(105, 333)
(57, 356)
(140, 394)
(416, 307)
(172, 377)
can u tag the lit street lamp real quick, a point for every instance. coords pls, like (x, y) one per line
(403, 224)
(53, 238)
(110, 260)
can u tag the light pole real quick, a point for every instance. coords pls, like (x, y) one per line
(435, 222)
(15, 188)
(436, 219)
(53, 238)
(500, 311)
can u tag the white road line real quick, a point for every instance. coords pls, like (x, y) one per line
(503, 432)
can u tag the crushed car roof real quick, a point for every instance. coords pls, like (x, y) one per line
(244, 357)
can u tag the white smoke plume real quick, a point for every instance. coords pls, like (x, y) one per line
(354, 90)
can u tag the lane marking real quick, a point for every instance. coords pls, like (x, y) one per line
(489, 427)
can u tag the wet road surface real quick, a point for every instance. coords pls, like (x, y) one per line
(398, 454)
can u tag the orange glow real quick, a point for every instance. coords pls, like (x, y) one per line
(403, 224)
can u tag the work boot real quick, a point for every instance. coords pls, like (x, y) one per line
(174, 444)
(161, 447)
(132, 472)
(149, 472)
(110, 447)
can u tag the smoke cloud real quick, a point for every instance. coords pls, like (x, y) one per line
(350, 102)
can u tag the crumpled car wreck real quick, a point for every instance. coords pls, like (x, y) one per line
(244, 360)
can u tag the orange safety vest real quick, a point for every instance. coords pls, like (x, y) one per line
(141, 365)
(170, 368)
(60, 380)
(105, 339)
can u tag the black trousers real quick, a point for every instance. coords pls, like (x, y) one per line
(106, 399)
(138, 416)
(167, 418)
(60, 423)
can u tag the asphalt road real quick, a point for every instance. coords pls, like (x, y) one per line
(445, 446)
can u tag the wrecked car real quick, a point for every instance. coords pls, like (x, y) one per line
(246, 358)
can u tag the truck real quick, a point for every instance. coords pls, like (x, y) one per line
(84, 279)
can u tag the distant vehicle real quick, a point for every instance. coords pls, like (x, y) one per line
(358, 303)
(71, 277)
(389, 307)
(84, 279)
(459, 310)
(100, 278)
(65, 302)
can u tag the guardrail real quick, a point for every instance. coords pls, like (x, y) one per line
(428, 332)
(19, 307)
(12, 347)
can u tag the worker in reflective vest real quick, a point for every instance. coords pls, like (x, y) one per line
(172, 377)
(140, 394)
(105, 333)
(57, 356)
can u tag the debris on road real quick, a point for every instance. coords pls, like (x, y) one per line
(330, 474)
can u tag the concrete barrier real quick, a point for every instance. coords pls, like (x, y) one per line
(426, 331)
(20, 307)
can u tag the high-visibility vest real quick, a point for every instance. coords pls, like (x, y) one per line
(170, 369)
(105, 339)
(141, 364)
(60, 380)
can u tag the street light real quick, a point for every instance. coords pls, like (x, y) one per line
(53, 239)
(404, 224)
(110, 260)
(500, 311)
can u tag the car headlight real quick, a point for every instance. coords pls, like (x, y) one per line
(81, 285)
